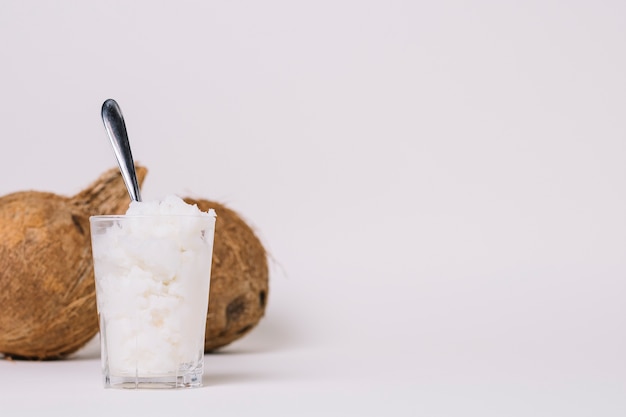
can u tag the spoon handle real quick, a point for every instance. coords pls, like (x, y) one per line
(116, 129)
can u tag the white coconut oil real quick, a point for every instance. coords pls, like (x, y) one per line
(152, 270)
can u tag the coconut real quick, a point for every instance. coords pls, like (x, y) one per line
(47, 290)
(239, 278)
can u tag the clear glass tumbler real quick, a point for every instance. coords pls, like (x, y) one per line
(152, 278)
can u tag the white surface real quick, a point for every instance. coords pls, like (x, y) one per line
(441, 185)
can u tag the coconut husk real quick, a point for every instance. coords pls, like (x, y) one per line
(239, 278)
(47, 290)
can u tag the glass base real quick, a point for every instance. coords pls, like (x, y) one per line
(191, 379)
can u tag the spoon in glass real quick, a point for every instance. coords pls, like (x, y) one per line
(116, 129)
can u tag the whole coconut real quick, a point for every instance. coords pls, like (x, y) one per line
(239, 278)
(47, 290)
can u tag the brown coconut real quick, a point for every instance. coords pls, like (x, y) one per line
(239, 278)
(47, 290)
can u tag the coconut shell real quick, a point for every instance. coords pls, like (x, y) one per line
(47, 290)
(239, 278)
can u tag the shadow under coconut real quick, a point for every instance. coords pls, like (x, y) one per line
(212, 380)
(88, 352)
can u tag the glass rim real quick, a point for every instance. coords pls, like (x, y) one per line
(150, 216)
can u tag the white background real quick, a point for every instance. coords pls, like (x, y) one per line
(440, 184)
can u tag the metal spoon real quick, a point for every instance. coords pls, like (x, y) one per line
(116, 129)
